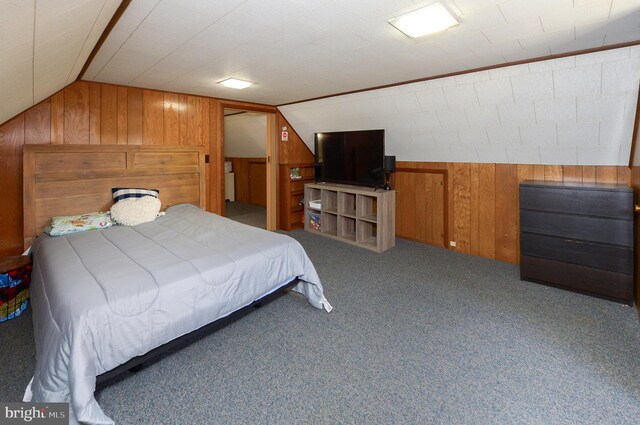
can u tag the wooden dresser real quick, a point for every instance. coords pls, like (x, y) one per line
(578, 237)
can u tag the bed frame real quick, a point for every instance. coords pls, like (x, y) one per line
(67, 179)
(137, 363)
(77, 179)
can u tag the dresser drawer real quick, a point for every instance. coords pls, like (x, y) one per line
(601, 283)
(604, 257)
(584, 228)
(580, 201)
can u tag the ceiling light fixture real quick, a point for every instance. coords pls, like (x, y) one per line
(423, 21)
(234, 83)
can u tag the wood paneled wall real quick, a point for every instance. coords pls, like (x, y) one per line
(482, 213)
(242, 174)
(95, 113)
(293, 151)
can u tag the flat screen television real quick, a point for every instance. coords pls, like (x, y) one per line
(350, 157)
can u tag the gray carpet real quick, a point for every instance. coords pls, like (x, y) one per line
(418, 335)
(253, 215)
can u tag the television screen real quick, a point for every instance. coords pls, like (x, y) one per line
(350, 157)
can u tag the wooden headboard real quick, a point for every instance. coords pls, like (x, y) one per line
(70, 179)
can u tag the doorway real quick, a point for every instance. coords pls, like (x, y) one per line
(269, 164)
(245, 156)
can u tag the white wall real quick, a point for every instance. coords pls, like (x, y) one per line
(577, 110)
(245, 135)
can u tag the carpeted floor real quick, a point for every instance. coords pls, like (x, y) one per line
(253, 215)
(418, 335)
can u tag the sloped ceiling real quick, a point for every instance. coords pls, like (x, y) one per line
(577, 110)
(44, 46)
(245, 135)
(300, 49)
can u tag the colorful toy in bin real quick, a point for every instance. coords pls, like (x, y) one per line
(314, 221)
(14, 291)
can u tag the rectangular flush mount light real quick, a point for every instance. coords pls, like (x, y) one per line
(423, 21)
(234, 83)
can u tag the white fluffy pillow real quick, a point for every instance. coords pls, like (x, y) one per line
(133, 211)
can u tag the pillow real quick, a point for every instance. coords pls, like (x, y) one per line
(64, 225)
(120, 193)
(134, 211)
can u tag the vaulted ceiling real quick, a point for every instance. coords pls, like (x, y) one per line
(299, 49)
(44, 45)
(291, 49)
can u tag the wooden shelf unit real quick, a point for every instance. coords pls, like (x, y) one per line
(292, 194)
(361, 216)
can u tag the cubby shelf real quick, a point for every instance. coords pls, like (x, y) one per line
(292, 180)
(357, 215)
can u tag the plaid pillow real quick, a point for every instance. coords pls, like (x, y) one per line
(120, 193)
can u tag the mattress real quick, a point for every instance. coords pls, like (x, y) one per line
(102, 297)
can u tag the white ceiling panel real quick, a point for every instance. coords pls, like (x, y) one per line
(574, 111)
(297, 49)
(44, 46)
(16, 67)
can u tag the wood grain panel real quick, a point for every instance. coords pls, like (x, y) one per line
(606, 174)
(205, 122)
(58, 189)
(506, 212)
(11, 141)
(422, 186)
(76, 114)
(258, 183)
(95, 107)
(553, 173)
(57, 118)
(474, 189)
(171, 120)
(411, 222)
(572, 173)
(189, 131)
(420, 205)
(589, 174)
(487, 210)
(51, 162)
(134, 116)
(38, 124)
(624, 175)
(439, 218)
(162, 159)
(105, 167)
(184, 122)
(152, 117)
(462, 200)
(403, 205)
(109, 115)
(538, 172)
(123, 116)
(242, 171)
(294, 150)
(433, 226)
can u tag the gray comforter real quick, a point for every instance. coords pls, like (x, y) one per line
(102, 297)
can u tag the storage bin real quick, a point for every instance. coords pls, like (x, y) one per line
(15, 278)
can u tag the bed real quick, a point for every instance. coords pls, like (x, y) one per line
(103, 297)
